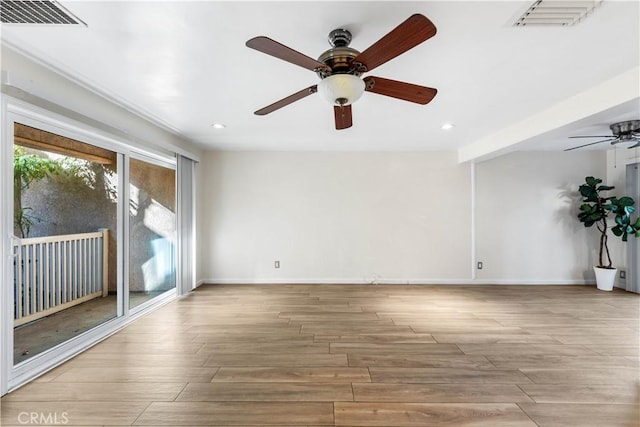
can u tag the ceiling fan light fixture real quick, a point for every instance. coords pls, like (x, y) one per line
(341, 89)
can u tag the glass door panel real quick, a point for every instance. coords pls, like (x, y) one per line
(65, 223)
(152, 230)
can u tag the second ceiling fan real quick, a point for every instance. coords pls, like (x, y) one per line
(340, 68)
(627, 131)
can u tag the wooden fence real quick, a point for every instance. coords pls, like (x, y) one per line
(57, 272)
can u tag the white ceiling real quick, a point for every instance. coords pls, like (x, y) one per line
(185, 65)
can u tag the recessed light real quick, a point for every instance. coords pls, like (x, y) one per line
(447, 126)
(219, 125)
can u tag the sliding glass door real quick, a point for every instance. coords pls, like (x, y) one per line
(91, 237)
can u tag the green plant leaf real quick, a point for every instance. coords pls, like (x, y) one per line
(588, 193)
(592, 181)
(626, 201)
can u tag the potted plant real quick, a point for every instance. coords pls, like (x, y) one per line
(595, 210)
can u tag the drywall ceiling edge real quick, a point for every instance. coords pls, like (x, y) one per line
(623, 88)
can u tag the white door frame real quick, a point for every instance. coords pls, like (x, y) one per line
(633, 245)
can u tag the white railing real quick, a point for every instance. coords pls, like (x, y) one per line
(56, 272)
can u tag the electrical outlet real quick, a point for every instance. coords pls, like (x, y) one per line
(277, 264)
(479, 265)
(623, 274)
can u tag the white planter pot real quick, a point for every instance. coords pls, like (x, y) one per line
(605, 278)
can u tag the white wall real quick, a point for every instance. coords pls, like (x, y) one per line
(335, 217)
(393, 217)
(526, 207)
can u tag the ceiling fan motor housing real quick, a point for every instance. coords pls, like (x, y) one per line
(340, 61)
(626, 131)
(340, 57)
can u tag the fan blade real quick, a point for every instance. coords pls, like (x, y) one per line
(273, 48)
(286, 101)
(343, 116)
(592, 143)
(637, 144)
(401, 90)
(405, 36)
(592, 136)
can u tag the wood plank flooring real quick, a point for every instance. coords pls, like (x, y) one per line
(356, 355)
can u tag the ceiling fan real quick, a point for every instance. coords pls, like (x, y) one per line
(628, 131)
(340, 68)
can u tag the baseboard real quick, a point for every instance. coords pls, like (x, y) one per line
(289, 281)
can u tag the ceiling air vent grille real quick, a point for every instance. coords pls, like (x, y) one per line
(36, 12)
(557, 12)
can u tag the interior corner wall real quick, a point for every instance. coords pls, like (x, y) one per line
(334, 217)
(526, 208)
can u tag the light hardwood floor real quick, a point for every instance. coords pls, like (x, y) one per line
(357, 355)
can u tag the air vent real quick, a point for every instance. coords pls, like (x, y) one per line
(557, 12)
(36, 12)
